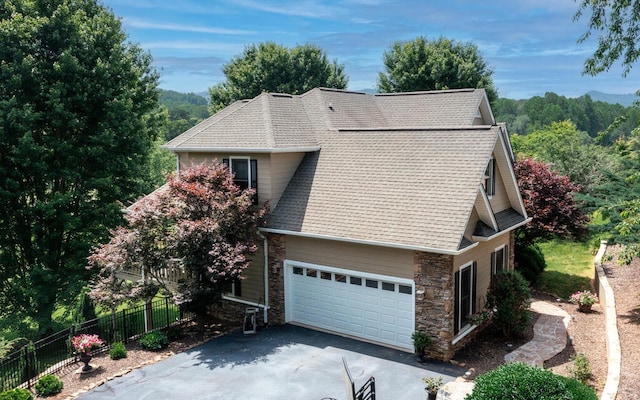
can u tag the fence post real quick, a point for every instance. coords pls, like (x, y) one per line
(124, 326)
(166, 308)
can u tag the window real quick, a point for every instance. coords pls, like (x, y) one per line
(465, 296)
(490, 178)
(499, 260)
(234, 288)
(245, 173)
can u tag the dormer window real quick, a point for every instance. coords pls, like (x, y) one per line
(490, 178)
(245, 173)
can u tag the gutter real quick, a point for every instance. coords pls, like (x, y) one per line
(369, 242)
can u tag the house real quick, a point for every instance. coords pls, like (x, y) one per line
(389, 213)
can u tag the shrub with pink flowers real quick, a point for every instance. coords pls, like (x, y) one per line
(85, 343)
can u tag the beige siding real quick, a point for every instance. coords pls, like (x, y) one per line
(253, 285)
(371, 259)
(264, 168)
(482, 255)
(500, 200)
(283, 166)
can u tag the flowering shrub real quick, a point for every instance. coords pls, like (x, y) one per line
(583, 298)
(84, 343)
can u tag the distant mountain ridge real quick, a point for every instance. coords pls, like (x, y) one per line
(625, 100)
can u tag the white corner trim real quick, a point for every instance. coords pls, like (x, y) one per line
(461, 335)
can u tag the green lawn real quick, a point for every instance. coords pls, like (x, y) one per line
(569, 267)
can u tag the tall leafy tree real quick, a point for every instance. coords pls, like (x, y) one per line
(421, 64)
(570, 152)
(617, 26)
(270, 67)
(76, 125)
(200, 222)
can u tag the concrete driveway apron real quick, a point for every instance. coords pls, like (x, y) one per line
(282, 362)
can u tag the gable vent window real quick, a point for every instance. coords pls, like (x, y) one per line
(490, 178)
(245, 173)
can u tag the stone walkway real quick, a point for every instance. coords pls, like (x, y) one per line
(549, 339)
(549, 336)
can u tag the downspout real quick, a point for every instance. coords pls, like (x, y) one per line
(265, 316)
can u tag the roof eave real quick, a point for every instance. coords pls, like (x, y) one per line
(509, 229)
(368, 242)
(306, 149)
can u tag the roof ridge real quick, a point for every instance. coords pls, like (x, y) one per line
(266, 118)
(423, 92)
(421, 128)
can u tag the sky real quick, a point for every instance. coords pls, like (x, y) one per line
(531, 45)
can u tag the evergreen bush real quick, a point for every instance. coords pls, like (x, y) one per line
(530, 262)
(48, 385)
(16, 394)
(118, 351)
(519, 381)
(509, 298)
(155, 340)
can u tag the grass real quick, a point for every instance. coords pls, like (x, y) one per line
(569, 267)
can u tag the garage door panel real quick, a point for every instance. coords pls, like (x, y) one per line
(352, 303)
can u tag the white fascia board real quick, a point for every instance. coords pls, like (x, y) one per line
(368, 242)
(242, 149)
(512, 175)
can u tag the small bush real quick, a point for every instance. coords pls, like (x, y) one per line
(509, 296)
(530, 262)
(155, 340)
(16, 394)
(581, 370)
(519, 381)
(48, 385)
(118, 351)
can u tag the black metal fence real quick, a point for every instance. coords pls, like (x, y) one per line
(55, 352)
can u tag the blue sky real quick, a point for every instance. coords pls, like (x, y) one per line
(531, 45)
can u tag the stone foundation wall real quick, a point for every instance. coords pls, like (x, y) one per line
(233, 312)
(277, 254)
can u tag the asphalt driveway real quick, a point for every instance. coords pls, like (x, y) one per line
(280, 363)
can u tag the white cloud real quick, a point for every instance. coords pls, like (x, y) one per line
(140, 23)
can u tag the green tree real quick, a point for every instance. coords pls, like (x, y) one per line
(617, 26)
(570, 152)
(270, 67)
(76, 125)
(439, 64)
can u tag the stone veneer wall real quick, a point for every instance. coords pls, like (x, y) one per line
(277, 254)
(433, 276)
(233, 312)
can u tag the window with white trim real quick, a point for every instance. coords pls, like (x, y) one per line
(245, 173)
(465, 296)
(490, 178)
(499, 260)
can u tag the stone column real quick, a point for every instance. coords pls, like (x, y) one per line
(433, 276)
(277, 254)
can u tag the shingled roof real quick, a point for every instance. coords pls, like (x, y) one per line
(402, 170)
(274, 122)
(406, 188)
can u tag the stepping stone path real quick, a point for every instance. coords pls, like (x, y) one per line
(549, 339)
(549, 336)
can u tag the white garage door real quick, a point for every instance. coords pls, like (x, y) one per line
(373, 307)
